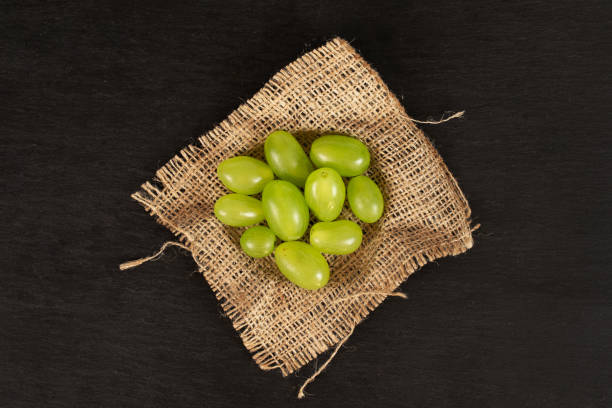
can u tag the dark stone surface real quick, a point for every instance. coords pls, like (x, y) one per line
(96, 96)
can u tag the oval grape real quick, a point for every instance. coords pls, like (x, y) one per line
(257, 241)
(239, 210)
(324, 193)
(244, 175)
(285, 209)
(365, 199)
(302, 264)
(338, 237)
(347, 155)
(287, 158)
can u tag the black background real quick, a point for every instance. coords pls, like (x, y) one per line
(96, 96)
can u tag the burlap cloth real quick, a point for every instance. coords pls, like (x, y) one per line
(330, 89)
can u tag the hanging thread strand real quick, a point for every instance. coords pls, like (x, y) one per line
(341, 343)
(331, 357)
(437, 122)
(138, 262)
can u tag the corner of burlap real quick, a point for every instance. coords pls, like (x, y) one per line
(329, 89)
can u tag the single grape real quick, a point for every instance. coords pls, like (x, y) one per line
(324, 193)
(365, 199)
(257, 241)
(287, 158)
(337, 237)
(302, 264)
(239, 210)
(347, 155)
(244, 175)
(285, 210)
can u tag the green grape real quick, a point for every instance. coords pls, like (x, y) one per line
(365, 199)
(239, 210)
(338, 237)
(285, 210)
(302, 264)
(244, 175)
(347, 155)
(324, 193)
(257, 241)
(287, 158)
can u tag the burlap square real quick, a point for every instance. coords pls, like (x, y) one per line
(330, 89)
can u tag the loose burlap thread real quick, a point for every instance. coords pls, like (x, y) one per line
(330, 89)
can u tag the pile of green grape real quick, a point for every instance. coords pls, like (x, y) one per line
(286, 202)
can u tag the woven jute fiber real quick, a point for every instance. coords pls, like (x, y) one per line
(330, 89)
